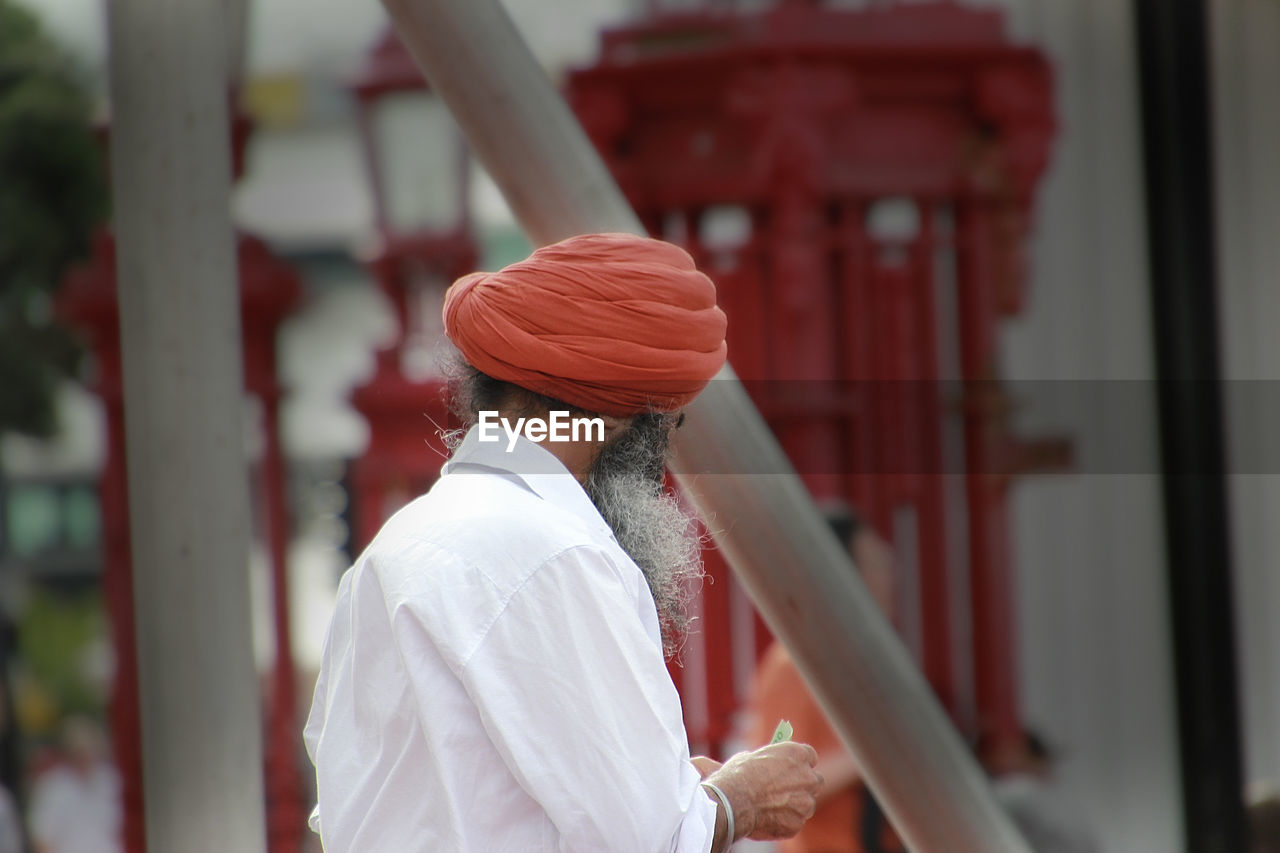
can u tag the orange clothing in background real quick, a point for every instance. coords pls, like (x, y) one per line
(838, 826)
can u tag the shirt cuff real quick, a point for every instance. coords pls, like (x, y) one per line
(698, 829)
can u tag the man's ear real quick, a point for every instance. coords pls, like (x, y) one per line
(613, 425)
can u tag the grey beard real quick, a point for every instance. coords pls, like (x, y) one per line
(626, 485)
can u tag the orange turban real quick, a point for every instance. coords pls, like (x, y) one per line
(609, 323)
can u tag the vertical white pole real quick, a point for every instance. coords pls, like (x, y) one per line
(188, 489)
(236, 15)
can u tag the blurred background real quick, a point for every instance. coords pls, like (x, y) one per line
(929, 223)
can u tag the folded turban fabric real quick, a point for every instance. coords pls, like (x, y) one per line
(610, 323)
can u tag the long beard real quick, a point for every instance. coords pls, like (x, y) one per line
(626, 485)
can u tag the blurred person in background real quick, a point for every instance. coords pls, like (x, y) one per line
(10, 824)
(1264, 824)
(75, 805)
(1021, 773)
(848, 819)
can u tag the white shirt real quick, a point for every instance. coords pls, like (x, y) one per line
(493, 680)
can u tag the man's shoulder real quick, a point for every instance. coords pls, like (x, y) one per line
(487, 524)
(479, 508)
(453, 559)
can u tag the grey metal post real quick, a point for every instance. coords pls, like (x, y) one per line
(766, 523)
(236, 14)
(188, 488)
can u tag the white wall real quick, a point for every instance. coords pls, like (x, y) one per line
(1247, 73)
(1095, 665)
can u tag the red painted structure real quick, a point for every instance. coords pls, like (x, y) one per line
(404, 414)
(412, 267)
(859, 183)
(268, 292)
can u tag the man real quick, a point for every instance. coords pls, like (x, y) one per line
(75, 805)
(493, 677)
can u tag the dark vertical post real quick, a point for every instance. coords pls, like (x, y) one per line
(10, 762)
(1172, 52)
(10, 770)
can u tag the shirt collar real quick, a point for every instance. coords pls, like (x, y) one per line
(532, 465)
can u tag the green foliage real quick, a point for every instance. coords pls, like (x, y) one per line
(56, 638)
(51, 194)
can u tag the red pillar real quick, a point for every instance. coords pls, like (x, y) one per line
(990, 572)
(268, 291)
(806, 117)
(88, 302)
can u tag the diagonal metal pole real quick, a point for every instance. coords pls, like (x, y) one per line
(765, 523)
(188, 487)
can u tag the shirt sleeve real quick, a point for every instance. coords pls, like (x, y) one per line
(575, 695)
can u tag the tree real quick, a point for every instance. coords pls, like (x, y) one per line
(52, 193)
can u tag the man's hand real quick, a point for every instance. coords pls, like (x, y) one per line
(773, 789)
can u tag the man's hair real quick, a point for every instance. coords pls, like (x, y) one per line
(842, 521)
(472, 391)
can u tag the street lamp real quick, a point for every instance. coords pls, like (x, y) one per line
(418, 167)
(415, 154)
